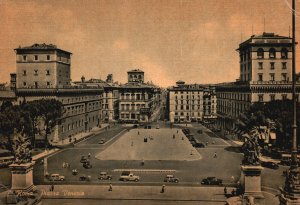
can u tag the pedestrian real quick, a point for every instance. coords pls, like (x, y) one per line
(233, 192)
(131, 143)
(163, 189)
(110, 187)
(177, 131)
(206, 143)
(225, 190)
(89, 155)
(138, 132)
(215, 155)
(52, 187)
(173, 136)
(63, 165)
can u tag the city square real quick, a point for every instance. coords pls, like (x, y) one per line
(149, 102)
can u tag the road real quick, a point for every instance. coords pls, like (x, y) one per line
(188, 172)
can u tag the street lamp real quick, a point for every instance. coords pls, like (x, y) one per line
(291, 192)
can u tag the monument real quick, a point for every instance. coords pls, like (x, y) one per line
(251, 171)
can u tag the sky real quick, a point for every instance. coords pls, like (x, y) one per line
(170, 40)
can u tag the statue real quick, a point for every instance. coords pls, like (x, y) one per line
(251, 151)
(21, 147)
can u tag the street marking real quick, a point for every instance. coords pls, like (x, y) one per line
(144, 170)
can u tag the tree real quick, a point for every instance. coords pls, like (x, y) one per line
(51, 111)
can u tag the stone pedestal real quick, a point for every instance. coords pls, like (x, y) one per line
(288, 199)
(22, 179)
(251, 183)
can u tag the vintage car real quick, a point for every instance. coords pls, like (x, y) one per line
(211, 181)
(56, 177)
(104, 176)
(171, 178)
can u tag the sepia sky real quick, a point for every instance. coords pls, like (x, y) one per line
(191, 40)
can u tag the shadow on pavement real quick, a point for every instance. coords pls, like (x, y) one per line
(233, 149)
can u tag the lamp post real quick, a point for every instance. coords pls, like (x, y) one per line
(290, 194)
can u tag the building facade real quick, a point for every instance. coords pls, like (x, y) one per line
(265, 75)
(138, 101)
(191, 102)
(43, 72)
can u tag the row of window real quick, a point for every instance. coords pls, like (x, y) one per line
(272, 97)
(37, 58)
(235, 96)
(132, 106)
(272, 65)
(272, 77)
(187, 102)
(36, 72)
(261, 54)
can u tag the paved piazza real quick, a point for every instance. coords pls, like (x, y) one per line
(161, 145)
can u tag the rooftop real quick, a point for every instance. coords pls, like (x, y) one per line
(42, 46)
(135, 71)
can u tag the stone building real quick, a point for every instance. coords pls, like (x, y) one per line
(109, 97)
(43, 71)
(138, 101)
(265, 75)
(191, 102)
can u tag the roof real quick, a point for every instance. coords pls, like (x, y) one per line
(42, 46)
(191, 87)
(266, 38)
(135, 71)
(7, 94)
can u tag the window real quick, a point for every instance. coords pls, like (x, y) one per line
(48, 57)
(48, 83)
(272, 65)
(36, 57)
(283, 77)
(24, 84)
(272, 76)
(36, 84)
(272, 97)
(260, 65)
(260, 77)
(272, 53)
(283, 65)
(284, 96)
(260, 53)
(35, 72)
(24, 72)
(47, 72)
(284, 53)
(24, 58)
(260, 98)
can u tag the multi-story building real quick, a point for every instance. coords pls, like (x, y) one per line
(265, 75)
(43, 71)
(109, 97)
(191, 102)
(138, 101)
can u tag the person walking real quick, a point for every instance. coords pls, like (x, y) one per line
(163, 189)
(225, 190)
(89, 155)
(215, 155)
(110, 187)
(52, 187)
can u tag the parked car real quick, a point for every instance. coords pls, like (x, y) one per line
(87, 165)
(83, 159)
(128, 176)
(199, 145)
(102, 141)
(211, 181)
(271, 165)
(84, 178)
(56, 177)
(171, 178)
(104, 176)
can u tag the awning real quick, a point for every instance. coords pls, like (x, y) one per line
(272, 136)
(182, 117)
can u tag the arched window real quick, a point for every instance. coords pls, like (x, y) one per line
(140, 77)
(272, 53)
(284, 53)
(260, 53)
